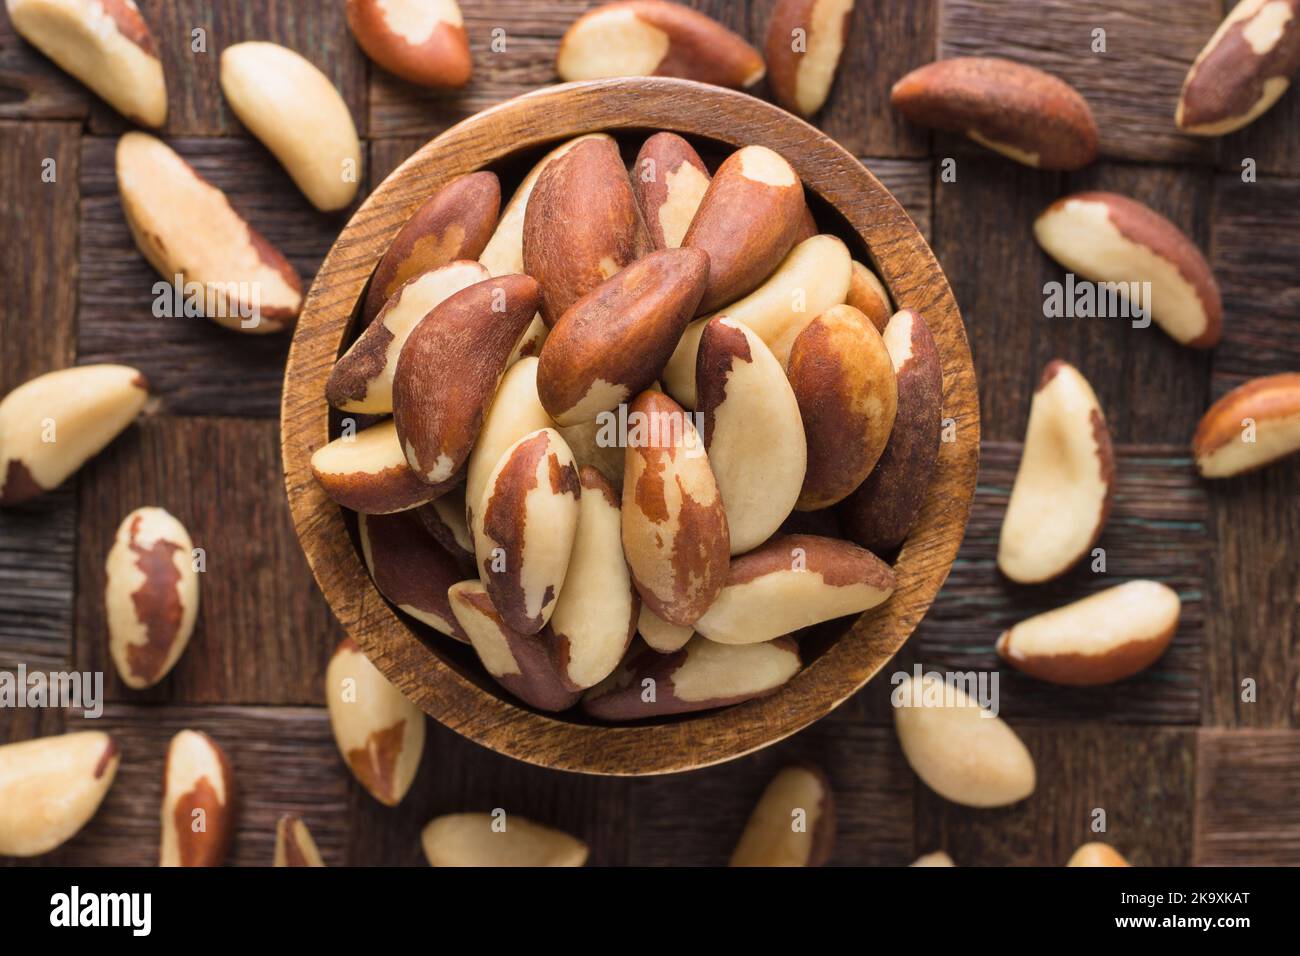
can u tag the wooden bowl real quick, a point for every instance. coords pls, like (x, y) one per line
(443, 677)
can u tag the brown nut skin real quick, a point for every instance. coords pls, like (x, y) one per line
(444, 518)
(701, 676)
(674, 527)
(582, 225)
(50, 787)
(1112, 238)
(1097, 854)
(844, 382)
(454, 223)
(524, 529)
(198, 805)
(151, 596)
(367, 472)
(450, 367)
(423, 43)
(869, 296)
(379, 733)
(881, 512)
(411, 569)
(746, 222)
(793, 823)
(477, 839)
(613, 342)
(801, 78)
(791, 583)
(1243, 70)
(1017, 110)
(524, 664)
(1271, 404)
(294, 845)
(86, 405)
(669, 180)
(106, 45)
(1103, 638)
(656, 38)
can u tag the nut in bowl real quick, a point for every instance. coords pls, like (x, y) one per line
(716, 701)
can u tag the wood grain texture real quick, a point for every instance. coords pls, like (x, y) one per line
(983, 235)
(31, 86)
(1132, 88)
(194, 366)
(911, 183)
(38, 557)
(886, 40)
(195, 106)
(1157, 530)
(1247, 814)
(1142, 777)
(264, 634)
(457, 695)
(283, 760)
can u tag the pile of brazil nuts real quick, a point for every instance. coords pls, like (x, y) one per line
(654, 401)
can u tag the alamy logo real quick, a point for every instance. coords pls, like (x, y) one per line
(60, 689)
(1081, 299)
(216, 300)
(74, 908)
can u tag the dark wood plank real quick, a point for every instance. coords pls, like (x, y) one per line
(457, 776)
(1142, 777)
(911, 183)
(31, 86)
(1132, 88)
(264, 633)
(1247, 814)
(696, 819)
(195, 105)
(38, 242)
(195, 366)
(283, 760)
(1157, 529)
(886, 41)
(983, 235)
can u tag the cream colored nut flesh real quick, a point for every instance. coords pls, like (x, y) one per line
(362, 379)
(701, 676)
(151, 596)
(937, 858)
(656, 38)
(410, 568)
(1096, 854)
(669, 180)
(366, 471)
(50, 425)
(1105, 637)
(596, 612)
(529, 666)
(50, 787)
(753, 431)
(524, 528)
(498, 839)
(293, 108)
(105, 44)
(659, 635)
(959, 750)
(812, 277)
(1243, 70)
(514, 412)
(378, 731)
(793, 823)
(805, 39)
(1252, 426)
(184, 226)
(793, 582)
(294, 845)
(1111, 239)
(198, 803)
(1062, 492)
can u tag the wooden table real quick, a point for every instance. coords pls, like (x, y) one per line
(1186, 770)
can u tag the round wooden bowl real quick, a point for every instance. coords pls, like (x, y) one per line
(443, 677)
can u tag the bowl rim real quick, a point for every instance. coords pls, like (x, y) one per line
(899, 254)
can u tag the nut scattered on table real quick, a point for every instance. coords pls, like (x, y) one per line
(805, 40)
(937, 858)
(1254, 425)
(151, 596)
(498, 839)
(421, 41)
(51, 424)
(793, 823)
(50, 787)
(1097, 854)
(1061, 497)
(198, 804)
(294, 845)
